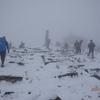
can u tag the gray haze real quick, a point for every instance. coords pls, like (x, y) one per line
(28, 20)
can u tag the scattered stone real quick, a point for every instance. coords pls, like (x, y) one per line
(13, 56)
(31, 58)
(50, 59)
(54, 76)
(50, 62)
(20, 63)
(22, 52)
(86, 70)
(8, 93)
(75, 58)
(48, 96)
(89, 96)
(41, 67)
(46, 63)
(72, 60)
(26, 72)
(81, 73)
(57, 66)
(94, 69)
(27, 78)
(29, 92)
(79, 60)
(12, 79)
(96, 76)
(56, 99)
(59, 86)
(80, 66)
(70, 66)
(43, 59)
(11, 62)
(68, 74)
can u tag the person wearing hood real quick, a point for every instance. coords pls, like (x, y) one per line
(79, 46)
(3, 47)
(91, 46)
(76, 46)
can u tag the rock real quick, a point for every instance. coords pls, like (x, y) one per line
(29, 92)
(68, 74)
(8, 93)
(12, 79)
(48, 96)
(11, 62)
(96, 76)
(20, 63)
(94, 70)
(80, 66)
(56, 98)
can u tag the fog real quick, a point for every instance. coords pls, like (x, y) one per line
(28, 20)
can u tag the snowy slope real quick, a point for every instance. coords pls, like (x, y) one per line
(41, 79)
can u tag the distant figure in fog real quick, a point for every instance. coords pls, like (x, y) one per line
(22, 45)
(76, 46)
(79, 46)
(91, 46)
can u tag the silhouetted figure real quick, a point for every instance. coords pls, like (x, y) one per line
(79, 47)
(47, 40)
(91, 46)
(3, 47)
(76, 46)
(22, 45)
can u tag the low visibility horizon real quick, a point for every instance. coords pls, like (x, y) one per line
(28, 20)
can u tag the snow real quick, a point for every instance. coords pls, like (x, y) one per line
(41, 82)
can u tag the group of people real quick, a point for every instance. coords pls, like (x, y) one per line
(4, 45)
(91, 46)
(77, 46)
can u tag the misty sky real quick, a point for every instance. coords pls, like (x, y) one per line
(28, 20)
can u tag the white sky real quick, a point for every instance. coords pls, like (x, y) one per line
(28, 20)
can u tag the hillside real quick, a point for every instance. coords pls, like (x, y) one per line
(39, 74)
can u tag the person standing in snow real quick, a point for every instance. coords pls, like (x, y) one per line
(79, 46)
(91, 46)
(76, 46)
(3, 46)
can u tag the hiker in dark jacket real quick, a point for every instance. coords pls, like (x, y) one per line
(79, 47)
(3, 47)
(91, 46)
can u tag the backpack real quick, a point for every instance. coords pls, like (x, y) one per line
(2, 44)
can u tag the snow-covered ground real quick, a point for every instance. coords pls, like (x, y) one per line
(43, 79)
